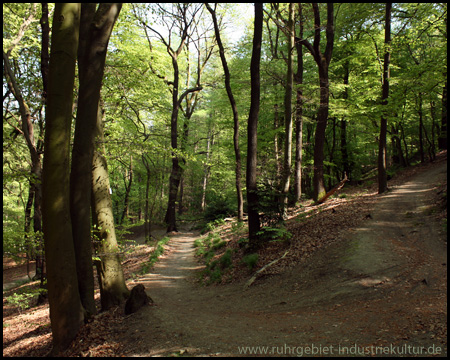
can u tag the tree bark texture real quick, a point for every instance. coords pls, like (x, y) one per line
(66, 311)
(252, 130)
(175, 174)
(113, 289)
(322, 60)
(95, 30)
(382, 149)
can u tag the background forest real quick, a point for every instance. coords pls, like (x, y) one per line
(176, 147)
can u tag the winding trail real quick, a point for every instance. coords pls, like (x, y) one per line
(384, 284)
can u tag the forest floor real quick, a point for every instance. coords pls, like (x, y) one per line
(365, 274)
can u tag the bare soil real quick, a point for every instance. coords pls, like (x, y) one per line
(377, 288)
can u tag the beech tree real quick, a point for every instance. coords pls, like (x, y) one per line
(288, 116)
(95, 30)
(298, 78)
(252, 131)
(323, 61)
(155, 116)
(66, 311)
(113, 289)
(382, 161)
(185, 17)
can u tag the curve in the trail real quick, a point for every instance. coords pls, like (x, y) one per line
(353, 291)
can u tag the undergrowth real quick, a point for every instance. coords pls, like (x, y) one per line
(159, 250)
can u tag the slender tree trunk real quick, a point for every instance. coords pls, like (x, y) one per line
(95, 31)
(276, 146)
(298, 78)
(442, 140)
(382, 156)
(129, 175)
(252, 191)
(37, 217)
(343, 125)
(66, 311)
(288, 114)
(206, 169)
(147, 232)
(322, 60)
(420, 113)
(113, 289)
(237, 152)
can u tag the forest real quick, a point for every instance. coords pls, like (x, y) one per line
(126, 121)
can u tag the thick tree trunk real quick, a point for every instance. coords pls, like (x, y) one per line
(382, 151)
(113, 289)
(252, 194)
(109, 270)
(66, 311)
(319, 139)
(175, 174)
(95, 31)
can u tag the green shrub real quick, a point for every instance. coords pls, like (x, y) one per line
(225, 260)
(271, 233)
(250, 260)
(218, 244)
(24, 300)
(216, 276)
(208, 256)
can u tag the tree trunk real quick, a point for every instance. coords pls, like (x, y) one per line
(276, 146)
(442, 140)
(37, 166)
(113, 289)
(319, 139)
(299, 116)
(237, 152)
(66, 311)
(252, 194)
(382, 156)
(288, 114)
(126, 202)
(95, 31)
(147, 232)
(175, 174)
(343, 125)
(206, 168)
(322, 61)
(420, 113)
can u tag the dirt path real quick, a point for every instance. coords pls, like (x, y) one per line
(380, 290)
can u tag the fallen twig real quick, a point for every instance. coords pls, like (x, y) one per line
(253, 278)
